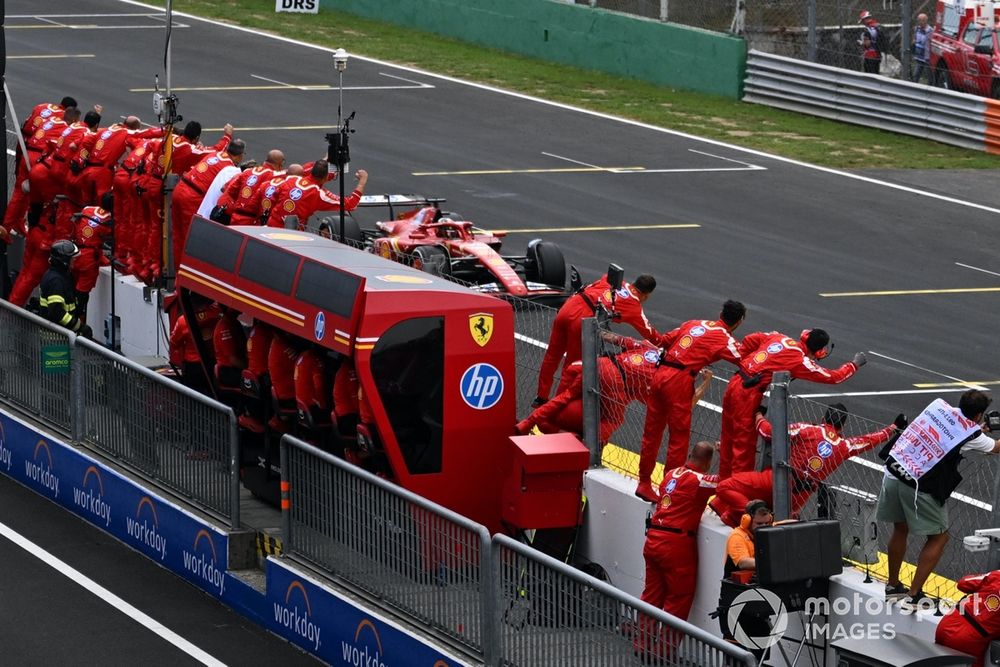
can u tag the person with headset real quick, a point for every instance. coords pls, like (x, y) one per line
(765, 354)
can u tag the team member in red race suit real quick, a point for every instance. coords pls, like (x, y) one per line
(13, 219)
(313, 390)
(302, 196)
(239, 194)
(763, 355)
(975, 621)
(281, 359)
(192, 188)
(689, 348)
(623, 378)
(671, 549)
(104, 149)
(625, 306)
(93, 228)
(815, 451)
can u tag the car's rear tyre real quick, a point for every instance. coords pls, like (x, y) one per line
(352, 230)
(546, 264)
(433, 260)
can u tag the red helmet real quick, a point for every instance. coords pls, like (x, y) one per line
(865, 16)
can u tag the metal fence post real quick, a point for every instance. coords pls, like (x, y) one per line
(286, 502)
(664, 10)
(812, 30)
(591, 391)
(489, 614)
(905, 38)
(777, 413)
(234, 472)
(76, 411)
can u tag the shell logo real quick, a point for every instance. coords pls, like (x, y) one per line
(139, 152)
(87, 232)
(288, 236)
(100, 144)
(760, 357)
(606, 296)
(202, 167)
(992, 602)
(245, 193)
(636, 359)
(665, 501)
(685, 342)
(289, 206)
(815, 463)
(407, 280)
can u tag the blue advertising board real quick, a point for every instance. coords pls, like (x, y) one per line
(143, 520)
(331, 627)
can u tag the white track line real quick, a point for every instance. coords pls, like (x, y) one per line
(559, 105)
(890, 392)
(971, 385)
(104, 594)
(976, 268)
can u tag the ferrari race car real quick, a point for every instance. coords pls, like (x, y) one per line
(443, 244)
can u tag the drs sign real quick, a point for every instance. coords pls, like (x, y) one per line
(300, 6)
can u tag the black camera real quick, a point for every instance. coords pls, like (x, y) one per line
(992, 421)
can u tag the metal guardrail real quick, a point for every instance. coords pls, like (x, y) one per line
(179, 439)
(552, 614)
(942, 115)
(414, 556)
(35, 363)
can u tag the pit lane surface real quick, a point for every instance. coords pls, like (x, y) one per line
(911, 278)
(145, 615)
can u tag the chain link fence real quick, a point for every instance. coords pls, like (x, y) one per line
(788, 27)
(850, 495)
(176, 437)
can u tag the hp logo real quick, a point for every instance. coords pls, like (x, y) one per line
(482, 386)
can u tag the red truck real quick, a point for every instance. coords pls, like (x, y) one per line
(965, 54)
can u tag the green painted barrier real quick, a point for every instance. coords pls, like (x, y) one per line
(661, 53)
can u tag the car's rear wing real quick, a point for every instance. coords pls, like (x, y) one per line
(399, 200)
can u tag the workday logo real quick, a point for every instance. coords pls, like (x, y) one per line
(145, 532)
(6, 458)
(203, 563)
(90, 498)
(295, 614)
(39, 468)
(366, 649)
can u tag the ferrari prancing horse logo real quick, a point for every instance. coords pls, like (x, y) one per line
(481, 328)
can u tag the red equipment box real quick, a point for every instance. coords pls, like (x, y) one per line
(545, 484)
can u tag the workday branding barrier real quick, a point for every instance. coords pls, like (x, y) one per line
(327, 625)
(162, 531)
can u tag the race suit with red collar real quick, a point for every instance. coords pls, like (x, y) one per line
(313, 389)
(671, 549)
(689, 348)
(93, 228)
(815, 452)
(108, 146)
(763, 355)
(566, 329)
(17, 207)
(975, 622)
(623, 378)
(301, 196)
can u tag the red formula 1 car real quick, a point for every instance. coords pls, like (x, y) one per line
(443, 244)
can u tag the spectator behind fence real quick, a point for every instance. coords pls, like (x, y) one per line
(920, 47)
(873, 42)
(921, 474)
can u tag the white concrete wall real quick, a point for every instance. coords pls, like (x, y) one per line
(141, 332)
(613, 536)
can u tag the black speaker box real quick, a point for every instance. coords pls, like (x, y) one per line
(797, 551)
